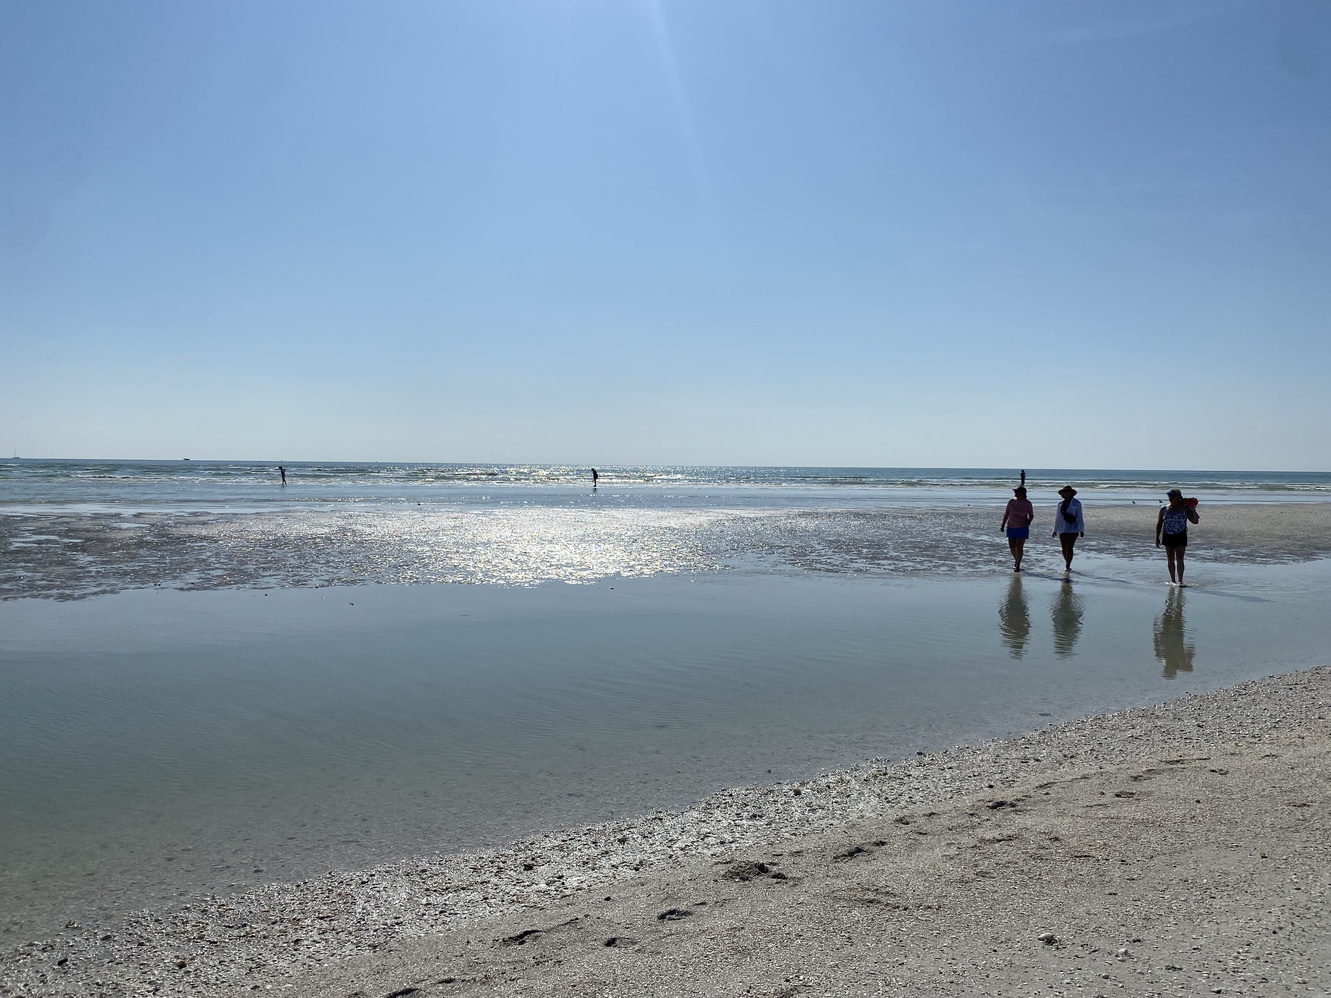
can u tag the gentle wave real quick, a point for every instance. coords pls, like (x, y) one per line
(56, 480)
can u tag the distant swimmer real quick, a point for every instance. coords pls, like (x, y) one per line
(1068, 524)
(1017, 522)
(595, 477)
(283, 472)
(1171, 526)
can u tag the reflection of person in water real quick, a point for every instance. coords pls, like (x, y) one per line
(1014, 618)
(1066, 611)
(1172, 646)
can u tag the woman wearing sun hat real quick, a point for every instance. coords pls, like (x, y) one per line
(1068, 523)
(1172, 525)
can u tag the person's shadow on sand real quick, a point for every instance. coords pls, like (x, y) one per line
(1172, 646)
(1014, 618)
(1066, 612)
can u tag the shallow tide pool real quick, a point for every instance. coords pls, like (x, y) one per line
(162, 744)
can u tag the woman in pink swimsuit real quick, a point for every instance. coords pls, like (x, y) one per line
(1017, 524)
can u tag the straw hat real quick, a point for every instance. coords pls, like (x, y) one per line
(1067, 490)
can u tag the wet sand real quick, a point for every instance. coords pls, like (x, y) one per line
(1269, 533)
(1181, 849)
(79, 555)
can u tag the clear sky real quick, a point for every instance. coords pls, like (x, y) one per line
(827, 232)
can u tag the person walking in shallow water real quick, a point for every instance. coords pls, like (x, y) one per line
(1017, 523)
(283, 472)
(1068, 524)
(1172, 526)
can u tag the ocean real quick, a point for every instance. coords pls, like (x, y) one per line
(123, 485)
(78, 528)
(212, 680)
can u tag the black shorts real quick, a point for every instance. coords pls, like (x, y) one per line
(1179, 540)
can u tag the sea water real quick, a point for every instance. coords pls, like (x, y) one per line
(127, 485)
(196, 698)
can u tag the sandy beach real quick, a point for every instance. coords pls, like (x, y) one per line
(1177, 849)
(547, 498)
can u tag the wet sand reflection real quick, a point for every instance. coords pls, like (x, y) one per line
(1172, 646)
(1014, 618)
(1066, 611)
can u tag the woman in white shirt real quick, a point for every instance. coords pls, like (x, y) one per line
(1068, 524)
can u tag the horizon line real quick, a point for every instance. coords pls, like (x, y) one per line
(573, 464)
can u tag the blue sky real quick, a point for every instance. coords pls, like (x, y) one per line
(843, 232)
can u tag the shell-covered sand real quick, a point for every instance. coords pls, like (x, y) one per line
(1177, 849)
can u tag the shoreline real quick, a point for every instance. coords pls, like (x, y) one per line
(215, 775)
(824, 856)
